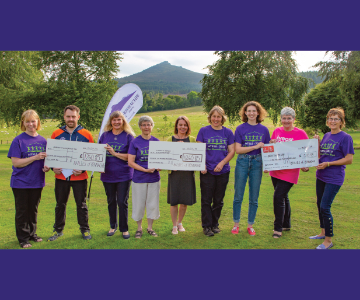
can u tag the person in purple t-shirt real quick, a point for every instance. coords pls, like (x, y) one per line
(250, 137)
(116, 179)
(214, 179)
(145, 182)
(27, 153)
(335, 151)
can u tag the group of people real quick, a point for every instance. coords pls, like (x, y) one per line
(127, 165)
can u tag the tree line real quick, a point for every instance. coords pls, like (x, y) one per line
(47, 81)
(158, 102)
(271, 78)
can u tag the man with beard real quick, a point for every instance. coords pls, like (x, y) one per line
(77, 180)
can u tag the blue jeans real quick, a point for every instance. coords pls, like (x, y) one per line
(325, 193)
(247, 166)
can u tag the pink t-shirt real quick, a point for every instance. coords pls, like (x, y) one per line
(280, 135)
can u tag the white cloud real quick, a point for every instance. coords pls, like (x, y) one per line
(306, 59)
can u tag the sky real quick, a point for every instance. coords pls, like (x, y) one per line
(137, 61)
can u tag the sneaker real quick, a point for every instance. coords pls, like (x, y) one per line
(251, 231)
(86, 235)
(55, 236)
(215, 229)
(235, 230)
(208, 232)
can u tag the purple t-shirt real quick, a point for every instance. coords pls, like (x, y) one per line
(32, 175)
(217, 142)
(250, 135)
(334, 147)
(116, 169)
(140, 147)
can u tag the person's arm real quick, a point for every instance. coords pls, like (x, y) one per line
(229, 156)
(134, 165)
(122, 156)
(347, 160)
(23, 162)
(242, 150)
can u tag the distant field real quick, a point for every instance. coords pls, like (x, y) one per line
(302, 197)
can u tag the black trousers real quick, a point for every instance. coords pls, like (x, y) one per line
(213, 189)
(26, 208)
(282, 208)
(117, 195)
(62, 192)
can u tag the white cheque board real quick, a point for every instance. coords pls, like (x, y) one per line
(290, 155)
(177, 156)
(75, 155)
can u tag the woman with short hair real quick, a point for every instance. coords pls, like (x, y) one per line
(117, 177)
(336, 150)
(181, 184)
(146, 182)
(214, 179)
(283, 180)
(250, 137)
(27, 153)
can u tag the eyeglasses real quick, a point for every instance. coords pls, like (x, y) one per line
(146, 125)
(333, 119)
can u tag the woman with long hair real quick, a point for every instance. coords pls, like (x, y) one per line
(250, 137)
(117, 177)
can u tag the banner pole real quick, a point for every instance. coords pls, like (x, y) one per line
(88, 197)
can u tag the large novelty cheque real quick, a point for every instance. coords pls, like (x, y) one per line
(290, 155)
(177, 156)
(75, 155)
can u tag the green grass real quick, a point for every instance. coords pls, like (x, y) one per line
(302, 198)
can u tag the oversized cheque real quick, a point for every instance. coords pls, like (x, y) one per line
(290, 155)
(75, 155)
(177, 156)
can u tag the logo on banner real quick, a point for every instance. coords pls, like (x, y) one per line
(120, 105)
(268, 149)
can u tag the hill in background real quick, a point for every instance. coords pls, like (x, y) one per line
(313, 75)
(165, 78)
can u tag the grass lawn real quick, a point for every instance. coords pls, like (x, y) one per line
(345, 208)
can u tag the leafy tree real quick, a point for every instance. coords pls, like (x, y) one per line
(344, 66)
(82, 78)
(268, 77)
(166, 129)
(318, 102)
(18, 76)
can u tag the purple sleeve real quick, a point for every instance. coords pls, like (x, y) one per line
(130, 139)
(132, 149)
(347, 146)
(200, 136)
(101, 138)
(231, 138)
(238, 138)
(14, 150)
(267, 136)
